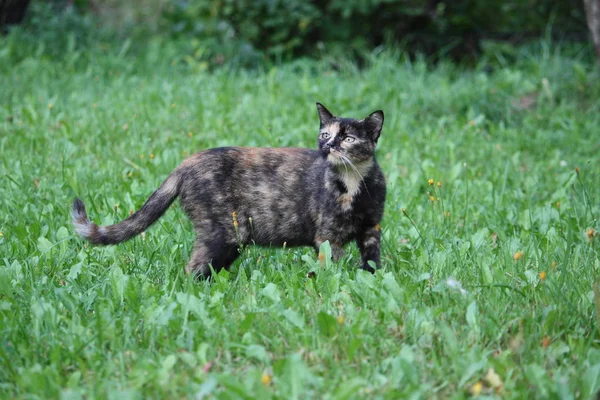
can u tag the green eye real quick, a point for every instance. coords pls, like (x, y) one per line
(349, 139)
(325, 135)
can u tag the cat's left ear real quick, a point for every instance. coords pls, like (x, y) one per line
(374, 123)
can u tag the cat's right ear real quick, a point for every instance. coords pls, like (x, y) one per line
(324, 115)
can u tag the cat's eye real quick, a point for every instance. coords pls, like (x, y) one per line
(349, 139)
(325, 135)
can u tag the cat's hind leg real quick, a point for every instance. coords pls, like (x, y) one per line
(206, 253)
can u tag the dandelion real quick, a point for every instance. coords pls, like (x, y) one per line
(558, 204)
(518, 255)
(542, 276)
(432, 198)
(235, 221)
(190, 134)
(476, 388)
(266, 379)
(439, 184)
(430, 182)
(590, 234)
(151, 156)
(50, 106)
(340, 319)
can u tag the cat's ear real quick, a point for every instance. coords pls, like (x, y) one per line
(374, 123)
(324, 115)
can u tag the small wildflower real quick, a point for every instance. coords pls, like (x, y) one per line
(439, 184)
(476, 388)
(562, 163)
(266, 379)
(577, 170)
(404, 211)
(518, 255)
(116, 206)
(185, 153)
(1, 234)
(143, 235)
(446, 214)
(206, 368)
(151, 156)
(430, 182)
(340, 319)
(50, 106)
(130, 212)
(432, 198)
(542, 275)
(190, 134)
(553, 265)
(558, 204)
(545, 342)
(590, 234)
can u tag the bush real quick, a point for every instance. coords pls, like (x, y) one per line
(280, 28)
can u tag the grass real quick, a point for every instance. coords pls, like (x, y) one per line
(488, 279)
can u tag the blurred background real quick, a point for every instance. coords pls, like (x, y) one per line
(250, 33)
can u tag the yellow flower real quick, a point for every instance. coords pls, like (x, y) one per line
(518, 255)
(151, 156)
(432, 198)
(553, 265)
(590, 234)
(558, 204)
(430, 182)
(377, 227)
(50, 106)
(190, 134)
(542, 275)
(476, 388)
(266, 379)
(185, 153)
(340, 319)
(1, 234)
(439, 184)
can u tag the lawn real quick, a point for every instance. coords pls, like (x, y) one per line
(489, 253)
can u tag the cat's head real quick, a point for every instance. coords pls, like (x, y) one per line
(345, 139)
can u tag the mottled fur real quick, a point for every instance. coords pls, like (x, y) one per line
(270, 196)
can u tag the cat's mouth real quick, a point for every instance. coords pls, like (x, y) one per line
(334, 157)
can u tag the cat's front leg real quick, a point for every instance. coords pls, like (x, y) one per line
(368, 242)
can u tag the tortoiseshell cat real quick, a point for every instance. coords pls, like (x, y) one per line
(270, 196)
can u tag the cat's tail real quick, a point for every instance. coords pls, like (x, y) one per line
(139, 221)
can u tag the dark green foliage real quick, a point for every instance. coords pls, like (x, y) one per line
(286, 28)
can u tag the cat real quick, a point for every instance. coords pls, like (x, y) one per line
(237, 196)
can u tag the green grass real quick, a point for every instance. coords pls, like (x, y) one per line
(109, 123)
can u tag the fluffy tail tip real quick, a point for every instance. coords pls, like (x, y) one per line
(82, 224)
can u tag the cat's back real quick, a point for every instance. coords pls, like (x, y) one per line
(227, 161)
